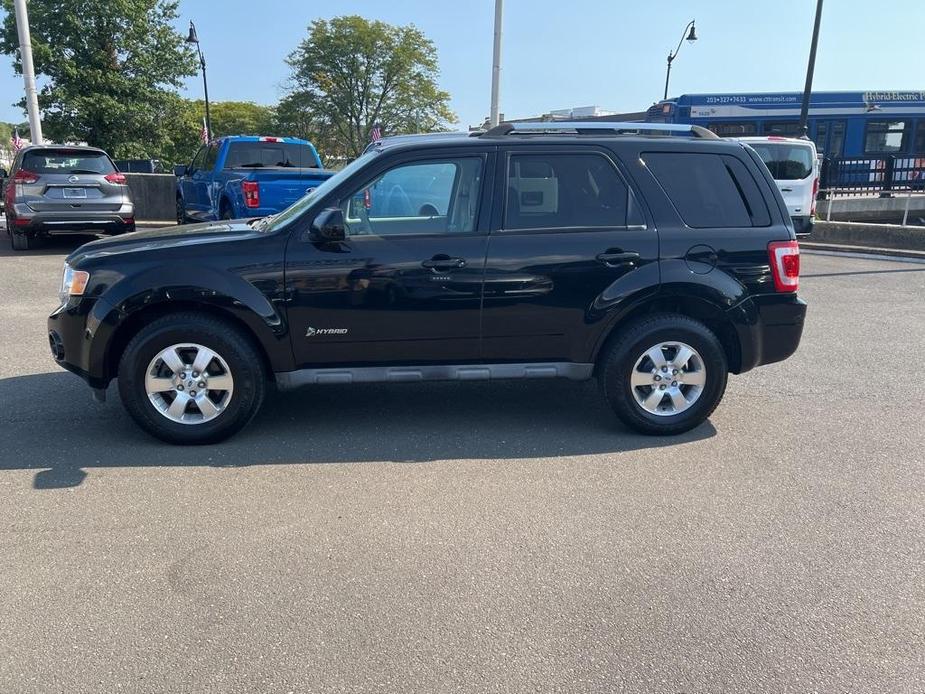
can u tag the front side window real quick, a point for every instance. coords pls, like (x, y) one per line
(884, 136)
(555, 191)
(709, 190)
(425, 197)
(197, 159)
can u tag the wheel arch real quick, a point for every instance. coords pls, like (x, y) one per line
(133, 323)
(698, 308)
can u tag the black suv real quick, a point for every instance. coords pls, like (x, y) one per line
(656, 258)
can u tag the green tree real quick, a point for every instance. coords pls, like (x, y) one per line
(351, 73)
(111, 69)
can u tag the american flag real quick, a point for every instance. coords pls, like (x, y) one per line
(376, 133)
(204, 133)
(16, 141)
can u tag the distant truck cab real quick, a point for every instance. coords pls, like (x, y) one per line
(244, 176)
(794, 166)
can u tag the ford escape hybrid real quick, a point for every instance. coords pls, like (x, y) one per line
(655, 258)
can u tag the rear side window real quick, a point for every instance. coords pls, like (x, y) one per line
(786, 162)
(554, 191)
(62, 161)
(709, 190)
(256, 155)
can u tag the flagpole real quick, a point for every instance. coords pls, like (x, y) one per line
(496, 65)
(28, 70)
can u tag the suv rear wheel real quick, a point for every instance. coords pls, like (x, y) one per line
(190, 378)
(665, 374)
(21, 242)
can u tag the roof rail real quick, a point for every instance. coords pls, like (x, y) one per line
(596, 127)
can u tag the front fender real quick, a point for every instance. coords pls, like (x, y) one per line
(125, 304)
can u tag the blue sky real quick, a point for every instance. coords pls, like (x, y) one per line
(557, 54)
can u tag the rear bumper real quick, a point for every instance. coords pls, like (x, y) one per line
(803, 226)
(27, 221)
(769, 328)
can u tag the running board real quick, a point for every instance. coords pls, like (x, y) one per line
(288, 380)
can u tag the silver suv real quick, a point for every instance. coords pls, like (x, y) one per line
(53, 189)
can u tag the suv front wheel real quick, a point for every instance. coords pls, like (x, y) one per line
(665, 374)
(190, 378)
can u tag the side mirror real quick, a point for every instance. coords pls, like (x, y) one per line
(328, 226)
(179, 171)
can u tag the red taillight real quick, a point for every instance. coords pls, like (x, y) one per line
(812, 210)
(251, 193)
(23, 176)
(115, 178)
(785, 265)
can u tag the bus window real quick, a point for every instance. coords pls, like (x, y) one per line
(734, 129)
(784, 128)
(837, 140)
(919, 147)
(884, 136)
(822, 134)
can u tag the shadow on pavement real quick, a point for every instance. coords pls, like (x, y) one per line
(60, 244)
(49, 423)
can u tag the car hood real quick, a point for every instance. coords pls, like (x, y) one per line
(166, 237)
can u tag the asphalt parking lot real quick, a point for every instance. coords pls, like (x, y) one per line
(475, 537)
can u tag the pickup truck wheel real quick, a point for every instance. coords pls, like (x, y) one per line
(226, 212)
(664, 375)
(188, 378)
(181, 211)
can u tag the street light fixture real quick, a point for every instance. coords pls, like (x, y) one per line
(194, 38)
(690, 37)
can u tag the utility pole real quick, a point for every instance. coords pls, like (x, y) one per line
(496, 64)
(28, 71)
(810, 68)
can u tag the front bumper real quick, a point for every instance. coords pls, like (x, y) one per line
(78, 333)
(769, 328)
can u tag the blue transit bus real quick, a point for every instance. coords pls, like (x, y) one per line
(843, 124)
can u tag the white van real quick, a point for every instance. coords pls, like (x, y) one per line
(795, 169)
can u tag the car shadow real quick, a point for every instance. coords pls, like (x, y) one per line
(48, 423)
(59, 244)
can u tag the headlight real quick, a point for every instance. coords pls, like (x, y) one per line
(73, 283)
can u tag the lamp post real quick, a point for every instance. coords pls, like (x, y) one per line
(193, 38)
(691, 37)
(810, 69)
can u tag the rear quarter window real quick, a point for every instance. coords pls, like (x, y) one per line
(709, 190)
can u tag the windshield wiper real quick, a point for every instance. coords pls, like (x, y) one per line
(85, 171)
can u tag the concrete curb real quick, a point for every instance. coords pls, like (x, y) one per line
(862, 250)
(908, 238)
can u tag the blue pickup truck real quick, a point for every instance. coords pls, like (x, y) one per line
(246, 176)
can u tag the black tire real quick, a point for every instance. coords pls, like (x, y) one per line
(181, 211)
(619, 362)
(226, 212)
(245, 365)
(21, 242)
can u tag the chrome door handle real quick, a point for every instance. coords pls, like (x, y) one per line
(615, 259)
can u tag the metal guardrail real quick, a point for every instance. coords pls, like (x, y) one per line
(846, 176)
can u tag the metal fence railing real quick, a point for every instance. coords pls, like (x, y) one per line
(866, 175)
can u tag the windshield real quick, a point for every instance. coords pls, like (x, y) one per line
(299, 206)
(785, 161)
(63, 161)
